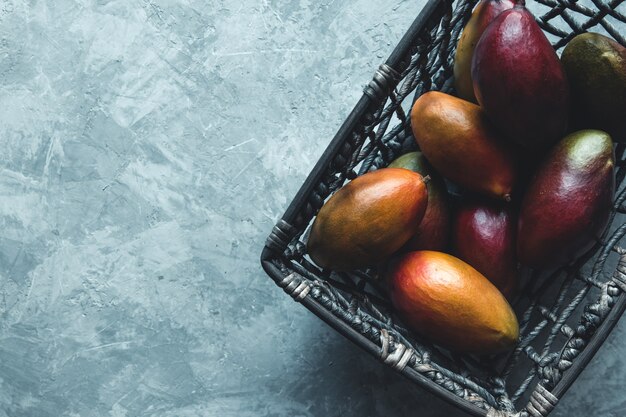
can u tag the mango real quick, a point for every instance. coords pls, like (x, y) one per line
(459, 141)
(568, 202)
(368, 219)
(483, 15)
(596, 68)
(484, 236)
(449, 302)
(434, 229)
(520, 82)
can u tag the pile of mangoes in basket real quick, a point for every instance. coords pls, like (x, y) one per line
(529, 139)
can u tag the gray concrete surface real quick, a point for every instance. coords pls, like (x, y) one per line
(147, 147)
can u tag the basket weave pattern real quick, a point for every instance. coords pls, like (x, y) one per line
(564, 317)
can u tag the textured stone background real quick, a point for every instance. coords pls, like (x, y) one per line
(147, 149)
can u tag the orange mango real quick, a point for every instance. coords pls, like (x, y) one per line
(462, 145)
(368, 219)
(449, 302)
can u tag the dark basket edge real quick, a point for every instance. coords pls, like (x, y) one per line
(596, 341)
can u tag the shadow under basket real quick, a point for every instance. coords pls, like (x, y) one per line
(564, 315)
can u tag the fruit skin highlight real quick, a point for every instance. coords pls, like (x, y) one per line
(449, 302)
(520, 82)
(460, 142)
(433, 232)
(596, 68)
(568, 202)
(368, 219)
(484, 236)
(484, 13)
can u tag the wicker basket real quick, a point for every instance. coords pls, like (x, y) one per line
(564, 317)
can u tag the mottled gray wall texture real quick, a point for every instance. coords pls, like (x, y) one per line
(146, 150)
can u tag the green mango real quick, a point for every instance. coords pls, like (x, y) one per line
(596, 68)
(434, 229)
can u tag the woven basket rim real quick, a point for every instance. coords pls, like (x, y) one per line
(376, 92)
